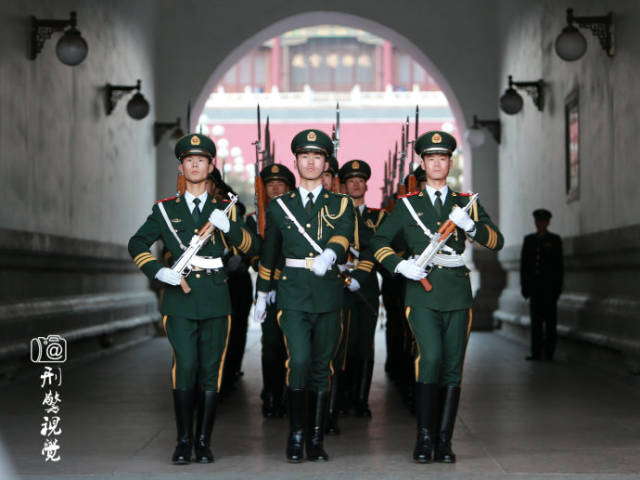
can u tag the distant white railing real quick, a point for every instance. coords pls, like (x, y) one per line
(308, 97)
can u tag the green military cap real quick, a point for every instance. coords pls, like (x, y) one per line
(312, 140)
(355, 168)
(542, 214)
(435, 141)
(333, 165)
(195, 144)
(277, 171)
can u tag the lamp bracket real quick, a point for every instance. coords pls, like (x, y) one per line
(42, 30)
(114, 93)
(493, 126)
(534, 89)
(601, 26)
(160, 128)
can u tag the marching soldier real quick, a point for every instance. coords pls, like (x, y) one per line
(330, 174)
(312, 229)
(440, 319)
(277, 180)
(541, 272)
(197, 324)
(360, 312)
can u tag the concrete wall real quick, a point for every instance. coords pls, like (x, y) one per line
(601, 227)
(72, 178)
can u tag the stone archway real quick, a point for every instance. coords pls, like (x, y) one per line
(344, 19)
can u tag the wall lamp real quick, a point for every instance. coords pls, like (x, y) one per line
(160, 128)
(71, 49)
(571, 44)
(137, 107)
(511, 101)
(476, 136)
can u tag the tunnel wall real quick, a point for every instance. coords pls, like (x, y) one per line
(599, 308)
(75, 182)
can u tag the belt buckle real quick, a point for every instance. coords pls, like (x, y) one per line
(309, 262)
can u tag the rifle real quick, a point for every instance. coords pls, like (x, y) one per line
(402, 189)
(425, 260)
(184, 264)
(412, 182)
(260, 198)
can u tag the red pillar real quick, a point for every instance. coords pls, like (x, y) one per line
(387, 65)
(276, 54)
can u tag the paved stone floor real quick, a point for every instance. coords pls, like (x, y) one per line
(518, 420)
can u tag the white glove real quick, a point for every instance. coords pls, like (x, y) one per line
(410, 270)
(167, 275)
(219, 220)
(462, 219)
(271, 297)
(323, 261)
(260, 312)
(353, 285)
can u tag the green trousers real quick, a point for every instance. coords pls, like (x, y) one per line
(359, 329)
(310, 340)
(441, 342)
(199, 350)
(273, 352)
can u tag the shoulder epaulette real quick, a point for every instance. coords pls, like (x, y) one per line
(166, 199)
(411, 194)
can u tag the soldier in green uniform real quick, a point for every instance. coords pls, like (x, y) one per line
(360, 311)
(312, 229)
(197, 324)
(440, 319)
(277, 180)
(330, 173)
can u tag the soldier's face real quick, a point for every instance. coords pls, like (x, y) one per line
(310, 165)
(327, 180)
(356, 187)
(437, 166)
(196, 168)
(275, 188)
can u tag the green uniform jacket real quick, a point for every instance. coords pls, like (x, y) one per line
(365, 271)
(331, 225)
(451, 286)
(209, 296)
(279, 264)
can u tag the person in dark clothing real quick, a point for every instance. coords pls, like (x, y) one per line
(541, 275)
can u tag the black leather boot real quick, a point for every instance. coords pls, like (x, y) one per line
(183, 406)
(297, 410)
(204, 426)
(426, 403)
(332, 414)
(318, 403)
(450, 397)
(364, 385)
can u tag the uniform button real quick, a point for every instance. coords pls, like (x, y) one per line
(284, 277)
(439, 223)
(440, 267)
(311, 254)
(197, 275)
(308, 225)
(195, 230)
